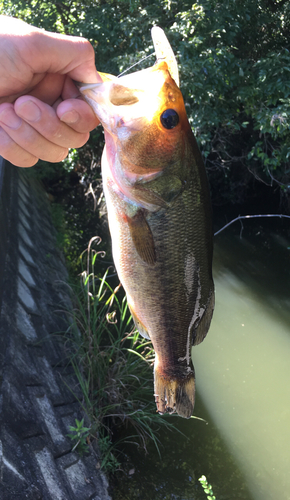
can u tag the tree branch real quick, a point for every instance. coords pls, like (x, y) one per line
(241, 217)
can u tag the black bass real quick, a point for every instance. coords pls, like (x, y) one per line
(159, 212)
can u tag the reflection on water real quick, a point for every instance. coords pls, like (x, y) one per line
(243, 381)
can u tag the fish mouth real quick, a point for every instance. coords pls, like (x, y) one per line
(118, 95)
(122, 104)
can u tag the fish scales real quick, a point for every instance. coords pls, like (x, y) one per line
(159, 214)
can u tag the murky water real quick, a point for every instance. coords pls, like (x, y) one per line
(243, 381)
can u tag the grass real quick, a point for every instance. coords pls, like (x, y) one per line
(113, 365)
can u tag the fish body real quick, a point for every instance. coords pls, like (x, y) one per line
(159, 214)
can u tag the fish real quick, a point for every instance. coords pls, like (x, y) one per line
(159, 211)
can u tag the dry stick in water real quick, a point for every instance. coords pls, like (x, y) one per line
(240, 217)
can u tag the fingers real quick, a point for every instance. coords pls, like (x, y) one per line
(24, 137)
(48, 89)
(44, 120)
(43, 65)
(74, 111)
(77, 114)
(77, 56)
(14, 153)
(30, 57)
(34, 51)
(31, 129)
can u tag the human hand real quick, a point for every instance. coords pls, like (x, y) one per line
(41, 115)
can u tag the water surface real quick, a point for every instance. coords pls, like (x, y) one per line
(243, 383)
(247, 355)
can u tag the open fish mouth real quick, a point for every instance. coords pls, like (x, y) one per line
(119, 93)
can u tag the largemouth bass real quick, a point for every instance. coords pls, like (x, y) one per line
(159, 213)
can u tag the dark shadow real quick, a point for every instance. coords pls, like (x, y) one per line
(184, 458)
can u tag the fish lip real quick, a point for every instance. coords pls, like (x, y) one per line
(87, 86)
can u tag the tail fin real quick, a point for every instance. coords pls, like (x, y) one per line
(174, 394)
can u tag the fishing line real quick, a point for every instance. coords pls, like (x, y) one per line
(141, 60)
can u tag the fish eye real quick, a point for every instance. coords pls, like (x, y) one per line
(169, 118)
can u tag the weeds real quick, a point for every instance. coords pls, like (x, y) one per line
(113, 365)
(79, 434)
(109, 462)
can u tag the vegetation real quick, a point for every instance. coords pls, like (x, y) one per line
(113, 366)
(80, 434)
(234, 60)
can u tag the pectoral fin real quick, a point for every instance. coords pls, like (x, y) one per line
(142, 237)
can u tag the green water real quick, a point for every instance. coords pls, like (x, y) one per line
(243, 383)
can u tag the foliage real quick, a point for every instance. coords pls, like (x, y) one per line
(207, 488)
(234, 62)
(80, 434)
(113, 365)
(235, 65)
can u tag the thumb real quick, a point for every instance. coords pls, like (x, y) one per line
(66, 55)
(37, 51)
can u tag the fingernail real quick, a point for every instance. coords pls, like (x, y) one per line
(10, 119)
(29, 111)
(70, 117)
